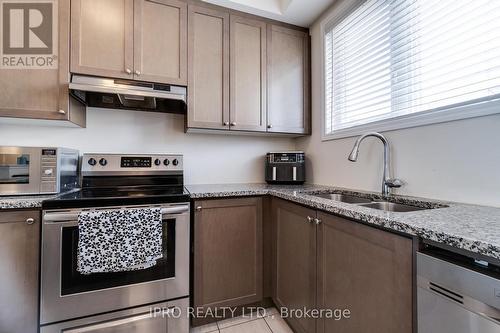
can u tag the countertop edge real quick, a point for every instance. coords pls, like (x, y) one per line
(473, 246)
(411, 227)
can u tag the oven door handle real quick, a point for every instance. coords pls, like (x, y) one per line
(175, 210)
(63, 217)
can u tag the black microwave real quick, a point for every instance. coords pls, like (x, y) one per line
(286, 167)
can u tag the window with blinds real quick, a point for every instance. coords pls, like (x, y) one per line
(391, 60)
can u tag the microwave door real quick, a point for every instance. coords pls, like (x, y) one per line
(15, 174)
(19, 171)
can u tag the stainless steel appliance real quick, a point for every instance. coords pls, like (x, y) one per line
(456, 294)
(37, 170)
(287, 167)
(110, 302)
(128, 94)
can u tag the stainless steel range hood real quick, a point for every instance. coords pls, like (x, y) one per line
(128, 94)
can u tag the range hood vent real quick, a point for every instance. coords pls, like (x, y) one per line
(128, 94)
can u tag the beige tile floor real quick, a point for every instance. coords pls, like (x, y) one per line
(268, 322)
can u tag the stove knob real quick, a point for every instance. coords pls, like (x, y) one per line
(175, 162)
(103, 161)
(92, 161)
(157, 162)
(166, 162)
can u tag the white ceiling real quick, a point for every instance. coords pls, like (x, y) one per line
(298, 12)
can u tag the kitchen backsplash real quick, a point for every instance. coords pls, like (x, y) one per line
(208, 158)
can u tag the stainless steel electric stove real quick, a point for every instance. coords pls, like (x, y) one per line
(117, 301)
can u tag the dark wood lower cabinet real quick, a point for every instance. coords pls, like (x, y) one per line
(227, 252)
(19, 257)
(367, 271)
(294, 254)
(338, 264)
(319, 261)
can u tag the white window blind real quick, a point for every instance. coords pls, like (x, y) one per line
(389, 59)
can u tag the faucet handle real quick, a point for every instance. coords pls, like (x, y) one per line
(394, 183)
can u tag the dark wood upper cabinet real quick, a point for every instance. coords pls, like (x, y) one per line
(294, 254)
(227, 252)
(208, 67)
(160, 41)
(19, 255)
(247, 74)
(42, 93)
(102, 38)
(131, 39)
(288, 75)
(365, 270)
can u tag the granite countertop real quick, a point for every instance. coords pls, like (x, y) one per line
(23, 202)
(468, 227)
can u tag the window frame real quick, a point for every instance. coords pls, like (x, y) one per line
(462, 111)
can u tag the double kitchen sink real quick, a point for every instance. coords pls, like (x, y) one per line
(371, 203)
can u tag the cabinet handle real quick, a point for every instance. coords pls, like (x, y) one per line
(137, 73)
(317, 221)
(61, 111)
(269, 126)
(233, 124)
(226, 123)
(128, 71)
(310, 219)
(198, 208)
(30, 220)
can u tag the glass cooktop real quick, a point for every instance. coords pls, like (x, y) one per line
(118, 196)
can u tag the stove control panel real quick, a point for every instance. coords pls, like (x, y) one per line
(136, 162)
(122, 164)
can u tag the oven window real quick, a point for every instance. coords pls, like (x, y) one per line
(14, 168)
(73, 282)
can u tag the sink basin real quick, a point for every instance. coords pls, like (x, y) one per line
(391, 206)
(379, 204)
(343, 198)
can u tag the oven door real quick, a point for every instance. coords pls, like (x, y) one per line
(67, 294)
(19, 170)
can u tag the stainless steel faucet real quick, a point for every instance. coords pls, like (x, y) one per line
(387, 182)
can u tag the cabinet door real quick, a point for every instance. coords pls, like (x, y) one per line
(160, 41)
(365, 270)
(102, 37)
(19, 244)
(208, 68)
(248, 74)
(288, 109)
(294, 257)
(42, 93)
(227, 252)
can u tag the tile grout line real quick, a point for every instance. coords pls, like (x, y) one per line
(250, 320)
(270, 329)
(239, 323)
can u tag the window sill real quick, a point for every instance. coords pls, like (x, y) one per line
(420, 119)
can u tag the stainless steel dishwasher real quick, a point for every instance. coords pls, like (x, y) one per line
(457, 294)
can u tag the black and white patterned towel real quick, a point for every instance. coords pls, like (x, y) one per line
(119, 240)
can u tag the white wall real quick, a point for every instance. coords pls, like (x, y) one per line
(458, 161)
(208, 158)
